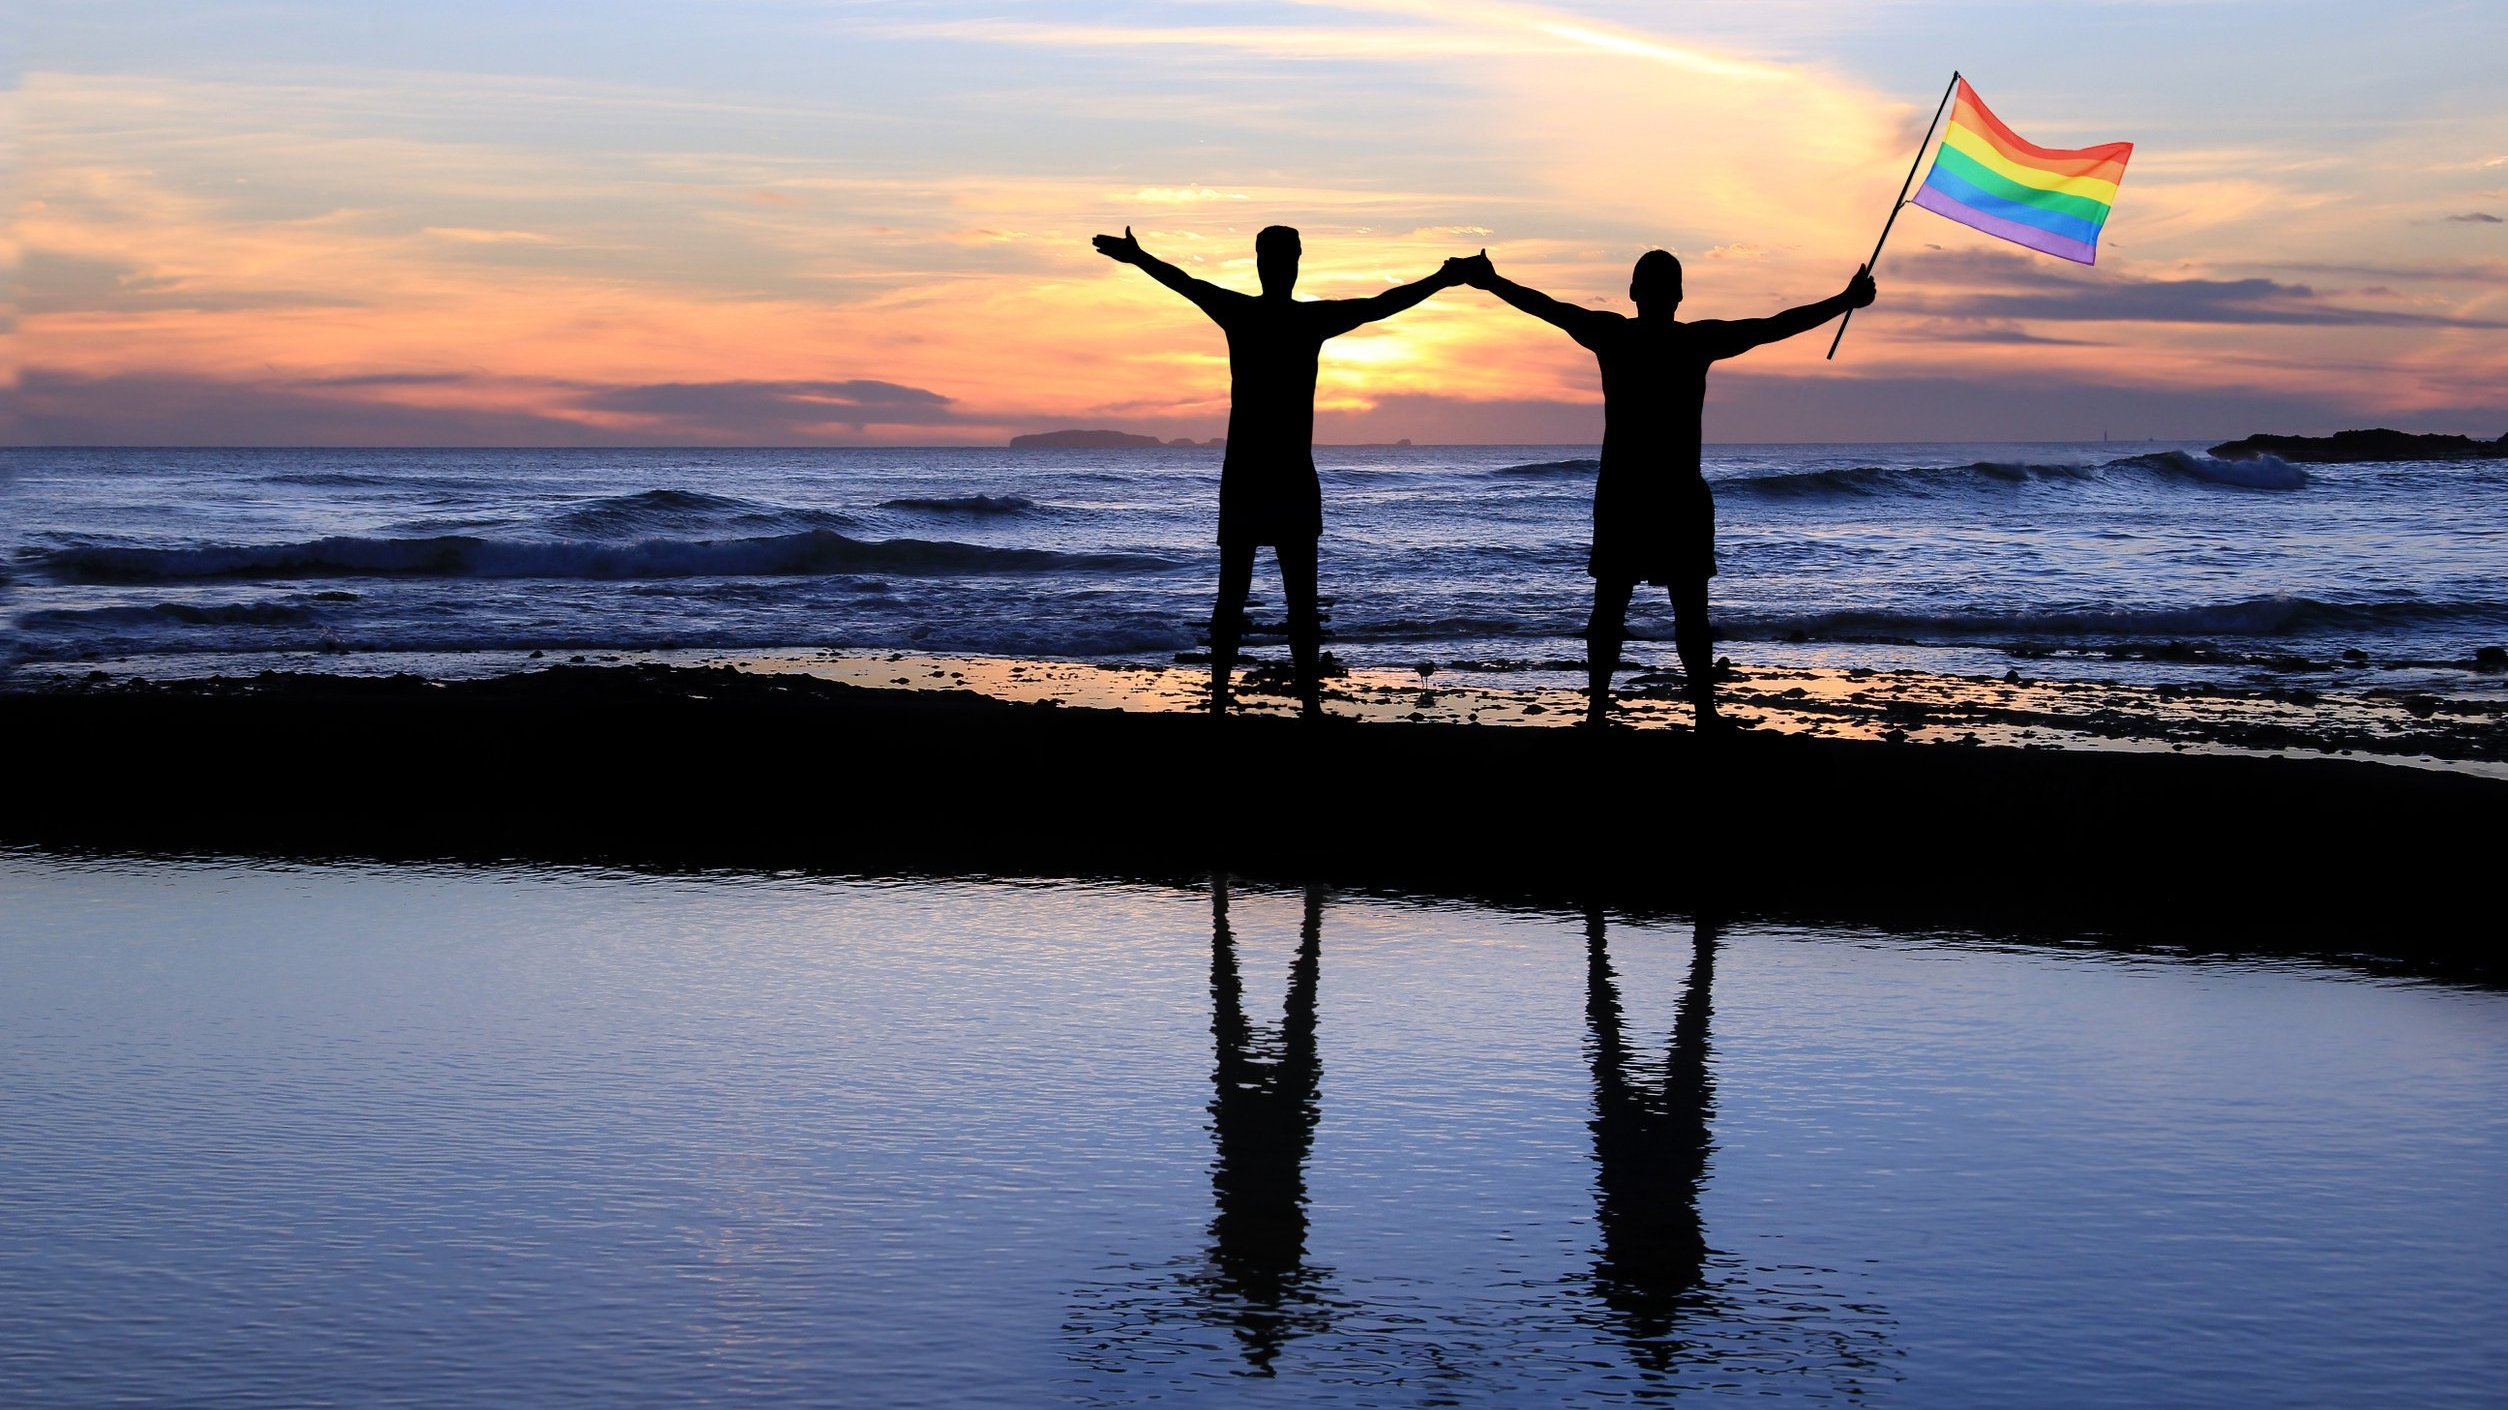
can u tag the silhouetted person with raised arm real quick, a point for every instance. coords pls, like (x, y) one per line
(1268, 490)
(1264, 1104)
(1651, 1141)
(1654, 520)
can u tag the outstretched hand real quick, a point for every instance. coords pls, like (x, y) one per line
(1860, 290)
(1122, 249)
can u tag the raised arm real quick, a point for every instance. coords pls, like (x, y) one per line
(1567, 317)
(1124, 249)
(1352, 313)
(1733, 337)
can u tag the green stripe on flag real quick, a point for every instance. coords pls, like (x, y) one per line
(1987, 179)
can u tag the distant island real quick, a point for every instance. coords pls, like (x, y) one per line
(2355, 446)
(1100, 440)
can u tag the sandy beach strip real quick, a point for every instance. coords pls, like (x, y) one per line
(2462, 731)
(780, 765)
(2458, 733)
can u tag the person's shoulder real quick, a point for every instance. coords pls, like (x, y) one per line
(1225, 307)
(1594, 325)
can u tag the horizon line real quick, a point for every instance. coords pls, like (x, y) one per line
(965, 445)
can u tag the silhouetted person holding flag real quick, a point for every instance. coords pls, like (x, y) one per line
(1654, 520)
(1268, 490)
(1651, 1142)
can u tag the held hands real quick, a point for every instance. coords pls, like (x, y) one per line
(1475, 270)
(1860, 290)
(1121, 249)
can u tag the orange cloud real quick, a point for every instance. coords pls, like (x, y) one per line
(320, 236)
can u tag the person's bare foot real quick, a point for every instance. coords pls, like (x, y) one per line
(1599, 714)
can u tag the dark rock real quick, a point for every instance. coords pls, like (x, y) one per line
(1084, 440)
(2491, 658)
(2371, 445)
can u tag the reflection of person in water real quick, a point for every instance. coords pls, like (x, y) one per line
(1268, 490)
(1264, 1105)
(1654, 520)
(1651, 1141)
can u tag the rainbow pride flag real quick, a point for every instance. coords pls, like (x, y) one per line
(1985, 177)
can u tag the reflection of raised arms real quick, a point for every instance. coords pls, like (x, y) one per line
(1206, 296)
(1347, 314)
(1733, 337)
(1480, 274)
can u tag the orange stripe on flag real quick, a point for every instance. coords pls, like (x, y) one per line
(2105, 161)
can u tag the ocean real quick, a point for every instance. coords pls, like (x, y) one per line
(2133, 563)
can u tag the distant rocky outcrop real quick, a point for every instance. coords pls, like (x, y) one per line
(1084, 440)
(2354, 446)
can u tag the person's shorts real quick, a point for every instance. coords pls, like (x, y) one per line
(1653, 527)
(1270, 505)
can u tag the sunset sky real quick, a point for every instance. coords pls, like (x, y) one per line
(752, 222)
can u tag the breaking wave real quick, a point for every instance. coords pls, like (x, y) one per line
(1547, 469)
(982, 505)
(811, 552)
(1883, 479)
(656, 512)
(218, 614)
(2262, 473)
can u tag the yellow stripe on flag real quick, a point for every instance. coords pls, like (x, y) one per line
(1991, 157)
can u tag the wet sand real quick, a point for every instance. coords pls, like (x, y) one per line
(2462, 733)
(1027, 768)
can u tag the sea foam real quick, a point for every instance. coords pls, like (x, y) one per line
(815, 551)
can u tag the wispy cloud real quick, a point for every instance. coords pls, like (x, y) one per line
(1179, 195)
(575, 253)
(2016, 288)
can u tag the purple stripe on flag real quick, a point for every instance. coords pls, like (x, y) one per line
(2042, 241)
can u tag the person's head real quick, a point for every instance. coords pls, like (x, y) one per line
(1276, 252)
(1656, 281)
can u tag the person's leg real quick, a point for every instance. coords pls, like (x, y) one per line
(1604, 631)
(1696, 641)
(1227, 619)
(1306, 625)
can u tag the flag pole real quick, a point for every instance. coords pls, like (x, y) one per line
(1902, 201)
